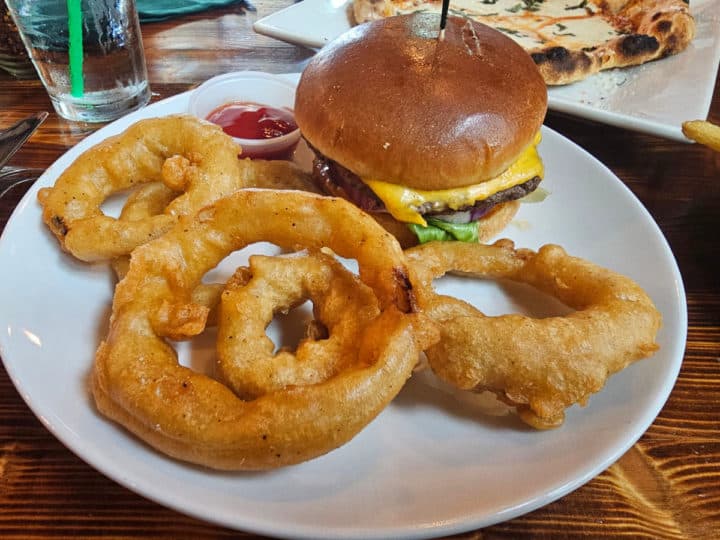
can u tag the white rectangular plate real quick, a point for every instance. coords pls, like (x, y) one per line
(653, 98)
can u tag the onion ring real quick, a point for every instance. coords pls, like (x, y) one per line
(138, 382)
(540, 366)
(342, 304)
(184, 152)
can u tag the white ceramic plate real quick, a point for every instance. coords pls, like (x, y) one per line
(430, 464)
(653, 98)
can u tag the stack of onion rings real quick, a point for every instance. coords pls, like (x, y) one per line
(540, 366)
(138, 382)
(193, 202)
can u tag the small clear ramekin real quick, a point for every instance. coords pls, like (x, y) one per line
(249, 87)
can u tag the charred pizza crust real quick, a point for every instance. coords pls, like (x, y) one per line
(568, 39)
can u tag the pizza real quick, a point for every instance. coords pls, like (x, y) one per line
(567, 39)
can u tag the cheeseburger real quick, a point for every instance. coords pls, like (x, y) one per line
(434, 136)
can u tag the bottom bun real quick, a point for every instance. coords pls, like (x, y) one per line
(488, 227)
(494, 222)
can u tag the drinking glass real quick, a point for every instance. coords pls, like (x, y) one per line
(88, 53)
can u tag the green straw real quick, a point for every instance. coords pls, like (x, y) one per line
(75, 49)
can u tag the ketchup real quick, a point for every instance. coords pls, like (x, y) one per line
(253, 120)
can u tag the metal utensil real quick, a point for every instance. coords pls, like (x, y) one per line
(15, 136)
(11, 177)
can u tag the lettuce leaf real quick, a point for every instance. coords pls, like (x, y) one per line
(439, 230)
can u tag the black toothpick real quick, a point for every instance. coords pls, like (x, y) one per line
(443, 17)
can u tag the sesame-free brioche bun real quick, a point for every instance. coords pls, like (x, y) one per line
(391, 101)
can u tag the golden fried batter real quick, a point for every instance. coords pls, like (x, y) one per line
(541, 366)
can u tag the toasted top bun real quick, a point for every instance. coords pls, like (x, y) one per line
(391, 101)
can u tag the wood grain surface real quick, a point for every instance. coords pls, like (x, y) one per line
(666, 486)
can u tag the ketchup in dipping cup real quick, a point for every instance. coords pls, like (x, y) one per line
(254, 108)
(257, 122)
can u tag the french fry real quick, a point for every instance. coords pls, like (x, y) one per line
(703, 132)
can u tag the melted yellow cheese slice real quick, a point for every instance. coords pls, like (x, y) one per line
(403, 202)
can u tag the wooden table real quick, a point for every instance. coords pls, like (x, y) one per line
(666, 486)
